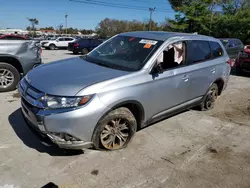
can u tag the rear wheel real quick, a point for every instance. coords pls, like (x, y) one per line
(74, 52)
(115, 130)
(85, 51)
(210, 98)
(52, 47)
(9, 77)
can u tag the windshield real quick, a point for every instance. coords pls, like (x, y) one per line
(124, 53)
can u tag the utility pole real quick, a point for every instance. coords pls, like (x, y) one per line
(150, 18)
(66, 22)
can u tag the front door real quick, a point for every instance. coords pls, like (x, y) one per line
(60, 42)
(169, 88)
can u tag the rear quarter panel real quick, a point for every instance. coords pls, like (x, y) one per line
(26, 52)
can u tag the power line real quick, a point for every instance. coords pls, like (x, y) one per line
(117, 5)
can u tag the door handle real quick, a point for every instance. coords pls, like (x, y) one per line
(185, 78)
(213, 70)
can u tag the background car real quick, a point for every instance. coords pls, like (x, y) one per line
(233, 46)
(83, 45)
(16, 59)
(60, 42)
(243, 62)
(13, 37)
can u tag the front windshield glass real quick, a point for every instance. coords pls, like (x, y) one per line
(124, 53)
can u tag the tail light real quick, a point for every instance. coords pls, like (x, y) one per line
(231, 62)
(76, 44)
(41, 50)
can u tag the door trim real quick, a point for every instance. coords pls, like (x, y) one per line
(175, 109)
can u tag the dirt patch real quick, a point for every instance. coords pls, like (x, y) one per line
(10, 101)
(233, 108)
(95, 172)
(16, 95)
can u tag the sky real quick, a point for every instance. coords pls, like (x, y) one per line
(14, 13)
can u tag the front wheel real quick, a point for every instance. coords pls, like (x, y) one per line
(115, 130)
(9, 77)
(85, 51)
(52, 47)
(210, 98)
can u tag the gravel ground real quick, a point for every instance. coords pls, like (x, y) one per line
(191, 149)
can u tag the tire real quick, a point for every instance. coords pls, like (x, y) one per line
(75, 53)
(85, 51)
(10, 73)
(210, 98)
(52, 47)
(119, 123)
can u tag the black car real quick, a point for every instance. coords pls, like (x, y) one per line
(233, 46)
(83, 45)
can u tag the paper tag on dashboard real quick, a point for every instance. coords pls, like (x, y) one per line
(152, 42)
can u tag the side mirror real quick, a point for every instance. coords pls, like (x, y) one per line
(157, 69)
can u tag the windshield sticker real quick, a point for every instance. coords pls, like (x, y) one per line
(147, 45)
(144, 41)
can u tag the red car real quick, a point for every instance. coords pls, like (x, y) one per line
(243, 61)
(12, 37)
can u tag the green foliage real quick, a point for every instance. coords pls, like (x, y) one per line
(109, 27)
(233, 21)
(47, 28)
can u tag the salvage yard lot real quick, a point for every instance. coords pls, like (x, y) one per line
(191, 149)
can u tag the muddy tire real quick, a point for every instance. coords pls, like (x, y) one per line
(52, 47)
(9, 77)
(85, 51)
(115, 130)
(210, 98)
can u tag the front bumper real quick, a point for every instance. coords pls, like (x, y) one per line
(79, 123)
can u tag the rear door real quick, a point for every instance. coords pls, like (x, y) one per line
(67, 41)
(201, 68)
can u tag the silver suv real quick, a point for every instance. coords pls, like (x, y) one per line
(130, 81)
(17, 57)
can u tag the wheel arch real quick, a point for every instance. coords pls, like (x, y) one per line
(134, 106)
(12, 60)
(220, 83)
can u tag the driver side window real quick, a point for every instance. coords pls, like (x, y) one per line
(173, 56)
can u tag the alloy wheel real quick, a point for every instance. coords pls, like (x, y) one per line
(115, 134)
(6, 78)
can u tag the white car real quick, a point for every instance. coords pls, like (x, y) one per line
(60, 42)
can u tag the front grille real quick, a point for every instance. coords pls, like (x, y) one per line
(30, 95)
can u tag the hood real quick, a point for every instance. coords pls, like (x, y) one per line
(67, 77)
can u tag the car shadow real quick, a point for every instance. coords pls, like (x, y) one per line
(29, 139)
(71, 53)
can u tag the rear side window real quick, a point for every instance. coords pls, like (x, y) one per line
(69, 39)
(216, 50)
(198, 51)
(238, 42)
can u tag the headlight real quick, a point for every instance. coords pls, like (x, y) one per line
(54, 102)
(243, 55)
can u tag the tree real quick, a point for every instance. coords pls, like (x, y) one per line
(194, 17)
(109, 27)
(47, 28)
(59, 28)
(33, 23)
